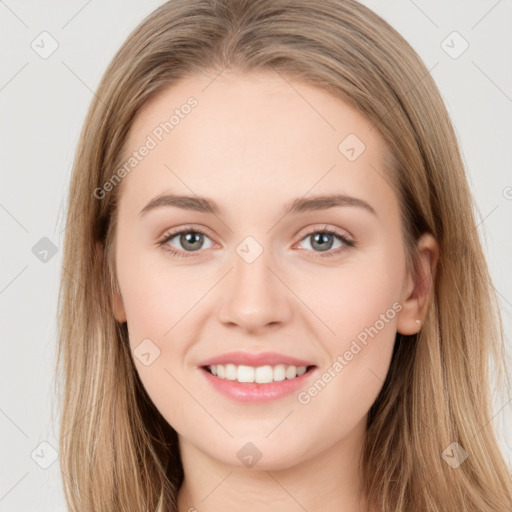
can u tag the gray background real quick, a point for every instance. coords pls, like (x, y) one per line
(43, 102)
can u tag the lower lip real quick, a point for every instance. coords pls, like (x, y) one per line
(254, 392)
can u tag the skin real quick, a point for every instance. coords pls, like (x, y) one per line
(252, 144)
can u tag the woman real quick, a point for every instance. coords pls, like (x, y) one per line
(273, 291)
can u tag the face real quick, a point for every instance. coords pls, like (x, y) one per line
(256, 262)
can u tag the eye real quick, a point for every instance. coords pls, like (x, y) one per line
(190, 240)
(323, 241)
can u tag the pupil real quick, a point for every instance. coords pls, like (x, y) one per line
(323, 241)
(189, 239)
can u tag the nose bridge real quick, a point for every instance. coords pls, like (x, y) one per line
(253, 297)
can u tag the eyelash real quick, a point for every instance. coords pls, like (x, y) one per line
(190, 229)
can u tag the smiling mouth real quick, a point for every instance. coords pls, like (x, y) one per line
(257, 375)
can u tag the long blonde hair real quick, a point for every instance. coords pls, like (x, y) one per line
(117, 452)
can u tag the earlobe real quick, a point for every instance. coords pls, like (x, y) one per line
(117, 301)
(415, 300)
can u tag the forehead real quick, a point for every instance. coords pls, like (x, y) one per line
(250, 135)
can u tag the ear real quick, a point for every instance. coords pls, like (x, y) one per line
(419, 287)
(117, 300)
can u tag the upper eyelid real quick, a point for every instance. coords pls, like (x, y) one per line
(325, 227)
(315, 228)
(171, 233)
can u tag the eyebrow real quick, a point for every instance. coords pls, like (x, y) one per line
(299, 205)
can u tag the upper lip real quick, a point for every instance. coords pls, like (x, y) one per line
(255, 359)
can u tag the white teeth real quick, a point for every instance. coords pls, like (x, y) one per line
(230, 372)
(291, 372)
(260, 375)
(245, 374)
(279, 372)
(264, 374)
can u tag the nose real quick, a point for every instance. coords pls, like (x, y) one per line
(254, 297)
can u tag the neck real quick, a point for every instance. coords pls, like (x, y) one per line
(329, 480)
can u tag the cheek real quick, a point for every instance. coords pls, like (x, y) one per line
(354, 296)
(359, 305)
(156, 300)
(155, 294)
